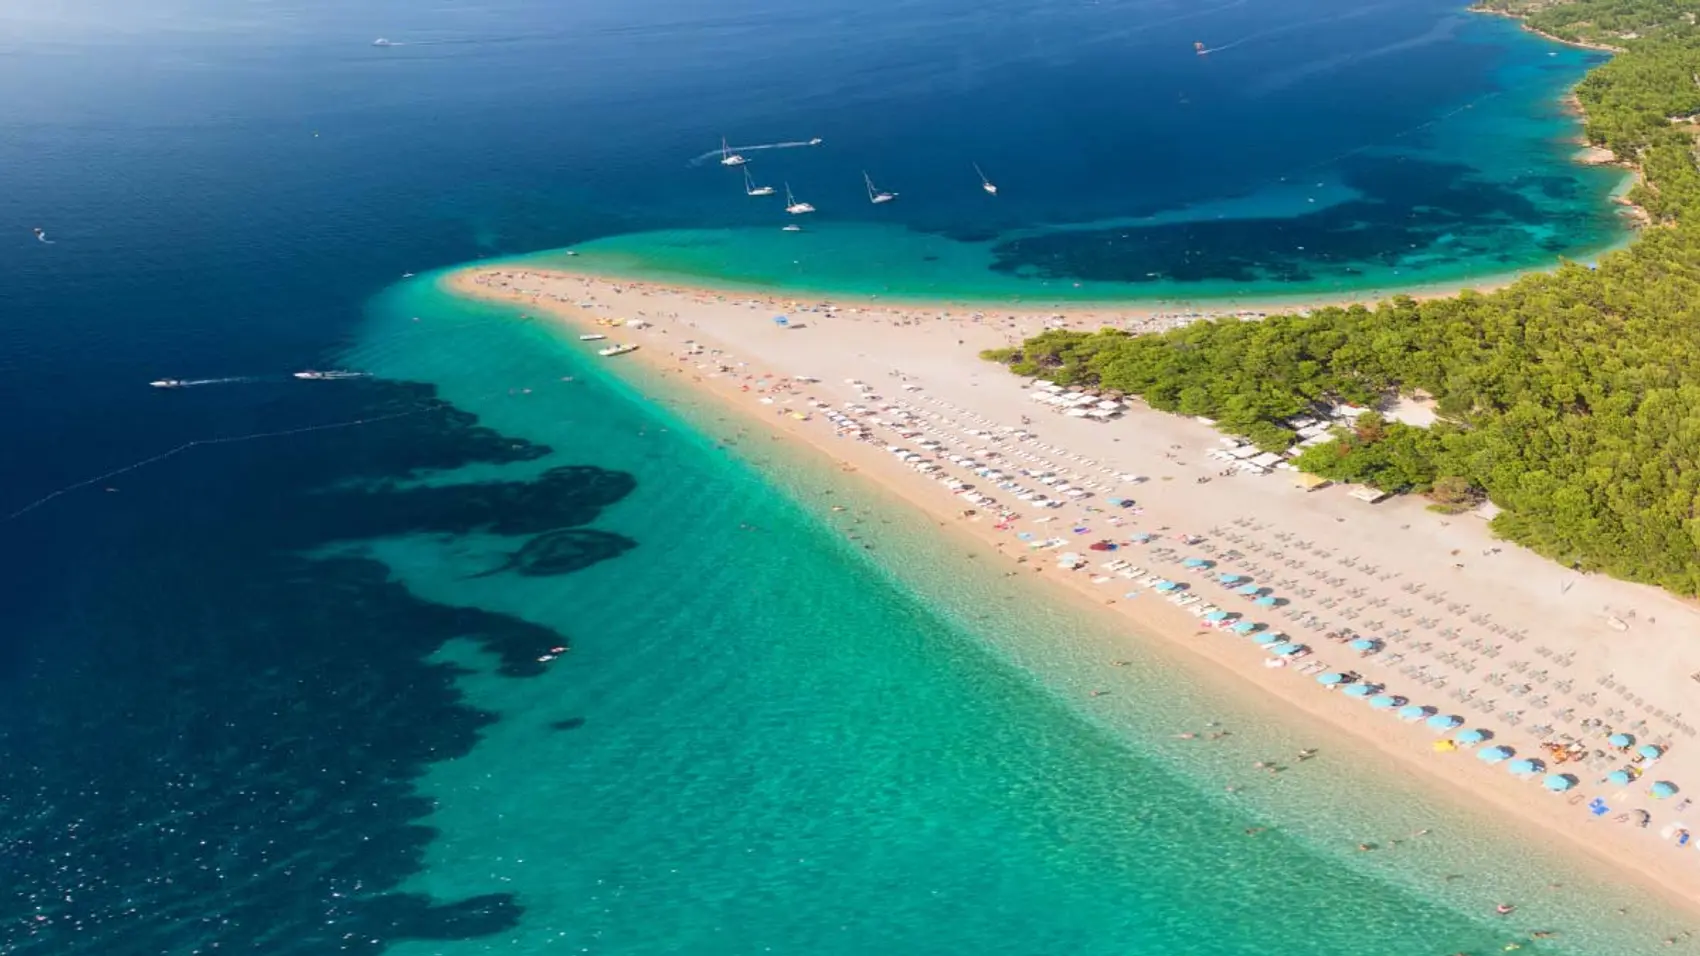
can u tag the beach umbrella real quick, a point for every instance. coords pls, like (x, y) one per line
(1140, 538)
(781, 320)
(1249, 589)
(1365, 644)
(1526, 765)
(1330, 679)
(1415, 711)
(1621, 741)
(1385, 701)
(1166, 585)
(1216, 616)
(1474, 736)
(1361, 690)
(1444, 746)
(1619, 778)
(1193, 563)
(1495, 754)
(1286, 650)
(1663, 789)
(1266, 601)
(1245, 627)
(1268, 639)
(1445, 721)
(1228, 578)
(1650, 751)
(1558, 782)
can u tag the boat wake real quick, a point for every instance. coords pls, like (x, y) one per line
(193, 382)
(793, 144)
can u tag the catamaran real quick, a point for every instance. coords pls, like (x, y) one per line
(874, 195)
(750, 187)
(729, 158)
(794, 207)
(985, 183)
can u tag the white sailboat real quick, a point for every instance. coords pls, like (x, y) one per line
(874, 195)
(750, 187)
(794, 207)
(729, 158)
(985, 183)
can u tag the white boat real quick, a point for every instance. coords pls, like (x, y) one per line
(794, 207)
(791, 228)
(592, 337)
(985, 183)
(168, 383)
(815, 141)
(750, 187)
(729, 158)
(382, 42)
(614, 350)
(331, 376)
(874, 195)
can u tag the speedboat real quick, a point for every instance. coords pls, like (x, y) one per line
(791, 228)
(614, 350)
(729, 158)
(331, 376)
(815, 142)
(794, 207)
(874, 195)
(592, 337)
(168, 383)
(985, 183)
(382, 42)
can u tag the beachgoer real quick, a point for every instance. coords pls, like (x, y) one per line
(1504, 909)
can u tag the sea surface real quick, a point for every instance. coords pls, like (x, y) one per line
(272, 673)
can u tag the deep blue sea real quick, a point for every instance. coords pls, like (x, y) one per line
(269, 649)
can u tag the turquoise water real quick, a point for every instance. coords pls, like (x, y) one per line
(767, 738)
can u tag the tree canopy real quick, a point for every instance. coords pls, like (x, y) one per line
(1571, 399)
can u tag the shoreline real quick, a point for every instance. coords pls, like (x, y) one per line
(719, 325)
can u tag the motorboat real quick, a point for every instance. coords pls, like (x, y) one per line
(330, 376)
(729, 158)
(815, 141)
(592, 337)
(874, 195)
(614, 350)
(794, 207)
(791, 228)
(169, 383)
(985, 183)
(382, 42)
(750, 187)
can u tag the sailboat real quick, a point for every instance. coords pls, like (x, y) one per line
(794, 207)
(874, 195)
(985, 183)
(729, 158)
(750, 187)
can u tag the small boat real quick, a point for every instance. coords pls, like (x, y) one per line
(985, 183)
(791, 228)
(1199, 49)
(592, 337)
(750, 187)
(794, 207)
(168, 383)
(382, 42)
(815, 142)
(874, 195)
(614, 350)
(729, 158)
(330, 376)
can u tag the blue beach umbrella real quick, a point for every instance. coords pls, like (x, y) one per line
(1286, 650)
(781, 320)
(1365, 644)
(1621, 741)
(1558, 782)
(1230, 578)
(1194, 563)
(1362, 690)
(1249, 589)
(1445, 721)
(1166, 585)
(1475, 736)
(1216, 616)
(1525, 766)
(1619, 778)
(1267, 638)
(1385, 701)
(1650, 751)
(1331, 679)
(1663, 789)
(1266, 601)
(1495, 754)
(1245, 627)
(1415, 711)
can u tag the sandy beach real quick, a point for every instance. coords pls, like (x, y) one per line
(1583, 675)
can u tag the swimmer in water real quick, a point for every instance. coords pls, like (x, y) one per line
(1504, 909)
